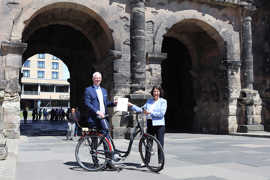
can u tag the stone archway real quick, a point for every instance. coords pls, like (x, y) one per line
(193, 77)
(72, 32)
(76, 36)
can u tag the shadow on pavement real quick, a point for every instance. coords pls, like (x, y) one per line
(120, 166)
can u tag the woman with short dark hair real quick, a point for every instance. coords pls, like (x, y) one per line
(154, 109)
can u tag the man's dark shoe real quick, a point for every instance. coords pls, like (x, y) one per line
(110, 166)
(96, 165)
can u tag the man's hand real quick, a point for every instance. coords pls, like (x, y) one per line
(100, 114)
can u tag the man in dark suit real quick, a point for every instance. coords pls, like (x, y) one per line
(96, 101)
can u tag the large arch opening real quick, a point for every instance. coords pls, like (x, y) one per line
(193, 77)
(76, 35)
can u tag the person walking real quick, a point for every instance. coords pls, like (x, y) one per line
(39, 113)
(25, 114)
(72, 119)
(154, 109)
(45, 114)
(34, 114)
(96, 101)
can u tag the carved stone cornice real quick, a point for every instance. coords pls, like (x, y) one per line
(10, 47)
(247, 4)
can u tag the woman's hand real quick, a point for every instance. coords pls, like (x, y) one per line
(130, 104)
(146, 112)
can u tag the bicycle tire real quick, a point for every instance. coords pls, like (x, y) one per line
(92, 152)
(152, 153)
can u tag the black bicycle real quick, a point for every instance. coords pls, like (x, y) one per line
(94, 150)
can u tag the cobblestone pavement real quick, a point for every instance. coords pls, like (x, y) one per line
(188, 157)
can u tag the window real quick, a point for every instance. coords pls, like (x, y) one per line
(41, 64)
(55, 58)
(46, 88)
(55, 65)
(63, 89)
(26, 63)
(41, 74)
(26, 73)
(30, 89)
(55, 75)
(41, 56)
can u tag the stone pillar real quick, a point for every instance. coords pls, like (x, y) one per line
(247, 54)
(12, 57)
(229, 123)
(137, 35)
(249, 101)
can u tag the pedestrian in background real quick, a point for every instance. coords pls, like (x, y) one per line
(25, 114)
(34, 114)
(39, 113)
(72, 120)
(45, 114)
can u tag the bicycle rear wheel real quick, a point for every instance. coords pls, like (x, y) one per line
(92, 152)
(152, 153)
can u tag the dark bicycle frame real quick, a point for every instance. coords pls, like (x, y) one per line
(138, 129)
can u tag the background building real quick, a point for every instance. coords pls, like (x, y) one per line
(43, 84)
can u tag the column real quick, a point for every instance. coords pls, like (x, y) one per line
(229, 123)
(137, 35)
(12, 52)
(247, 54)
(249, 100)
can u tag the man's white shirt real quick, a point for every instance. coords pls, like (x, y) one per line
(100, 99)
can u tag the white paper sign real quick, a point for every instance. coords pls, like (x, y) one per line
(122, 104)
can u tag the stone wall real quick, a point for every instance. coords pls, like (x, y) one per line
(209, 30)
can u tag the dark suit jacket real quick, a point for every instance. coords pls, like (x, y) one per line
(92, 103)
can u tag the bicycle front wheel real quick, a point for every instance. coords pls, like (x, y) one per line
(152, 153)
(92, 152)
